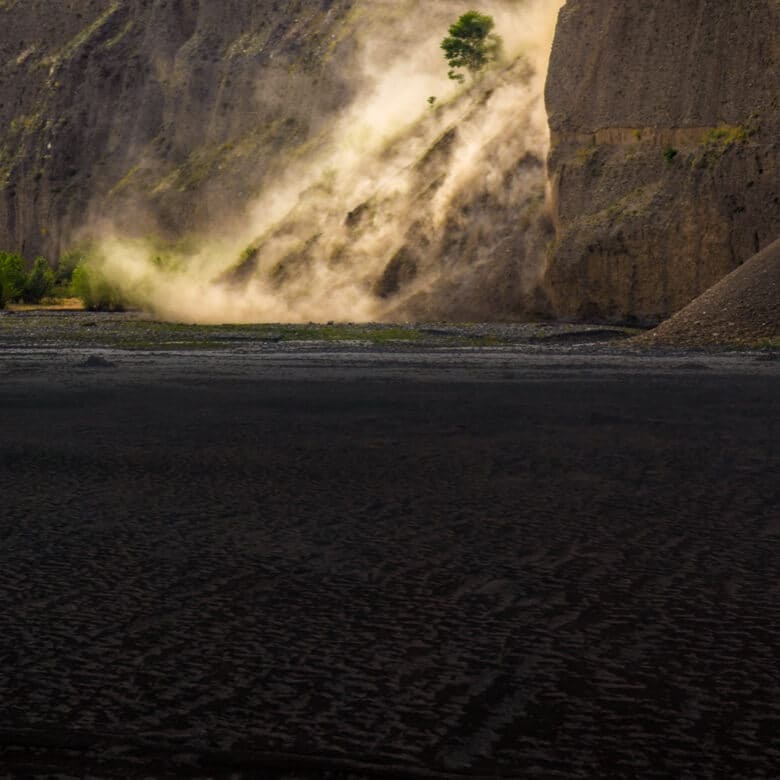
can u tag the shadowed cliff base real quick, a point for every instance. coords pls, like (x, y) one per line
(742, 309)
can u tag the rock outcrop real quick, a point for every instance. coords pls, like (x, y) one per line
(665, 161)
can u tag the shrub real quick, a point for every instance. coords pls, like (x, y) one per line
(11, 276)
(68, 263)
(726, 136)
(670, 154)
(39, 283)
(94, 290)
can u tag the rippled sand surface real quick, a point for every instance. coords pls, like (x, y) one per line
(311, 561)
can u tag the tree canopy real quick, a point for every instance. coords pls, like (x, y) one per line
(471, 44)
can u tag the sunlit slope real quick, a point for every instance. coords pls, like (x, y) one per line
(398, 207)
(448, 220)
(259, 131)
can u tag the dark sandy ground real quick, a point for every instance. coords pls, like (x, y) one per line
(342, 561)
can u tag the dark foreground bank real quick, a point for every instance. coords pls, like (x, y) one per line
(413, 564)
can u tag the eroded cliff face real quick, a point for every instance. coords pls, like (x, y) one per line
(665, 161)
(283, 157)
(176, 118)
(289, 161)
(151, 111)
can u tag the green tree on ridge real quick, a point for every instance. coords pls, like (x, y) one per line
(471, 44)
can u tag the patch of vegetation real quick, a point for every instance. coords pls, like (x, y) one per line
(126, 181)
(78, 275)
(95, 291)
(12, 277)
(120, 35)
(471, 44)
(19, 286)
(39, 283)
(25, 125)
(344, 29)
(629, 206)
(725, 136)
(670, 153)
(198, 168)
(587, 153)
(250, 44)
(337, 332)
(718, 140)
(202, 164)
(769, 344)
(85, 35)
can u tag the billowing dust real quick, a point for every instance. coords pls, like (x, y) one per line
(406, 211)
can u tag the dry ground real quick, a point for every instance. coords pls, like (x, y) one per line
(343, 561)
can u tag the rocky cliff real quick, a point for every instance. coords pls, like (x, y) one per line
(246, 123)
(150, 110)
(665, 161)
(286, 152)
(295, 161)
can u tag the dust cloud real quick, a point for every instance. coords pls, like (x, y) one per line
(404, 210)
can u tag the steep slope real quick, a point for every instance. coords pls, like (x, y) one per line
(282, 156)
(447, 221)
(419, 198)
(743, 308)
(665, 162)
(150, 111)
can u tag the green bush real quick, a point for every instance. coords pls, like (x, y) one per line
(12, 277)
(68, 263)
(669, 154)
(39, 283)
(94, 290)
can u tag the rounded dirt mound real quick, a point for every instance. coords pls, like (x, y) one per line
(741, 309)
